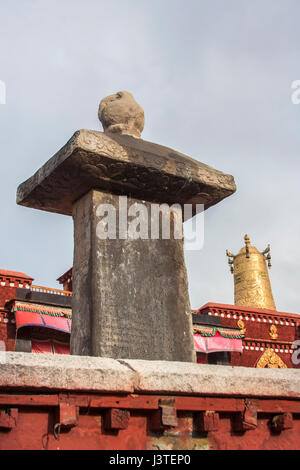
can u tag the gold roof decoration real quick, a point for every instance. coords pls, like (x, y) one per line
(270, 360)
(252, 286)
(273, 332)
(241, 325)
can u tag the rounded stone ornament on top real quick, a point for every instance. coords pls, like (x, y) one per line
(121, 114)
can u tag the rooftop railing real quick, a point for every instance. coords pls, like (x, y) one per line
(50, 290)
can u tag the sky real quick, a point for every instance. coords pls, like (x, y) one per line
(214, 78)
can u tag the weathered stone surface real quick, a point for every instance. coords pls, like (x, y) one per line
(61, 372)
(130, 297)
(55, 372)
(187, 378)
(121, 164)
(121, 114)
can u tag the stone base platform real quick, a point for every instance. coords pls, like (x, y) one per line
(78, 402)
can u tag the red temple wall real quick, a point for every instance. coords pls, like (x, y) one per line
(257, 339)
(6, 294)
(135, 432)
(7, 331)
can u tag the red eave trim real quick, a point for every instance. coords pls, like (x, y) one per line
(241, 308)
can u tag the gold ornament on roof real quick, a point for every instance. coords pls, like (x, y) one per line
(270, 360)
(241, 325)
(252, 286)
(273, 332)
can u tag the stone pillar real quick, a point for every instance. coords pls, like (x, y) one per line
(130, 297)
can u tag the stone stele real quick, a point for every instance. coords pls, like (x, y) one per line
(130, 296)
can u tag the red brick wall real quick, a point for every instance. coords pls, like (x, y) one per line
(7, 330)
(7, 325)
(7, 293)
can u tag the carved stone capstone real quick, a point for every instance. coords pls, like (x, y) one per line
(122, 165)
(121, 114)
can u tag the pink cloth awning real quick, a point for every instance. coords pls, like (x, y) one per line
(217, 343)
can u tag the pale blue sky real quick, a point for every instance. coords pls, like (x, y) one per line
(214, 78)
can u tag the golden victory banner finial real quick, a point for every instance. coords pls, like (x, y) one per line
(252, 287)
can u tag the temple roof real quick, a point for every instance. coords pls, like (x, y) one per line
(5, 272)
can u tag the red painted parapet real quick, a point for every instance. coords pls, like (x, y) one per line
(71, 402)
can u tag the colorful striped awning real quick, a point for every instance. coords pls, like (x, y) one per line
(30, 314)
(217, 339)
